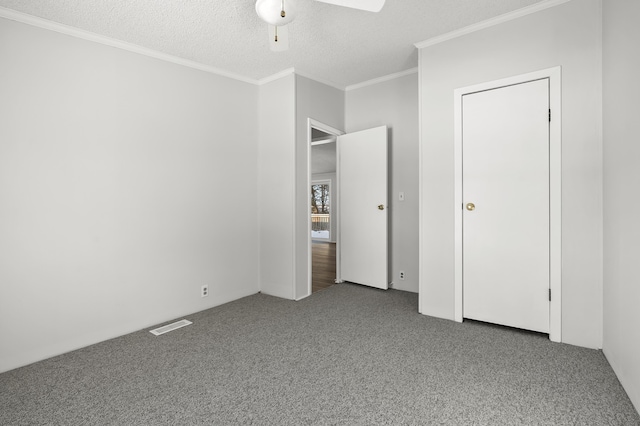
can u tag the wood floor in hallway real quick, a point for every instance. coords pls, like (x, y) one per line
(323, 265)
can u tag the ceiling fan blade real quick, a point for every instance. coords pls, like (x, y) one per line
(368, 5)
(278, 38)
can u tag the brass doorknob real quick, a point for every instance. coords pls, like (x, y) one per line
(471, 206)
(381, 207)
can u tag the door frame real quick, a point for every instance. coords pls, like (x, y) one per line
(555, 190)
(314, 124)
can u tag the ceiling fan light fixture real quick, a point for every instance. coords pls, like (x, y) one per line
(271, 11)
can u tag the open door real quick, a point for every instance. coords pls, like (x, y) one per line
(362, 176)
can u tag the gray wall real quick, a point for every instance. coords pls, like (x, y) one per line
(326, 105)
(394, 103)
(621, 182)
(283, 176)
(569, 36)
(276, 187)
(126, 184)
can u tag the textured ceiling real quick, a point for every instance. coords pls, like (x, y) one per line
(330, 43)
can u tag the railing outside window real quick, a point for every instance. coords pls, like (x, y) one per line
(319, 222)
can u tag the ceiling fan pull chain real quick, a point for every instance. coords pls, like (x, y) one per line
(279, 13)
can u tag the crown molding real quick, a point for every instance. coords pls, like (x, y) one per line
(289, 71)
(108, 41)
(276, 76)
(491, 22)
(325, 82)
(382, 79)
(35, 21)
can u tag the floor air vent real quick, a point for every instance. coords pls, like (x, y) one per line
(170, 327)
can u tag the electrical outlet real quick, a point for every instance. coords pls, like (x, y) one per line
(204, 291)
(402, 275)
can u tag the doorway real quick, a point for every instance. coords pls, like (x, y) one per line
(507, 250)
(359, 202)
(323, 219)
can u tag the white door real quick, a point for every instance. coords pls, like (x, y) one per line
(362, 176)
(505, 172)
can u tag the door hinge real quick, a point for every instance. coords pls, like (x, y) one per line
(549, 115)
(549, 295)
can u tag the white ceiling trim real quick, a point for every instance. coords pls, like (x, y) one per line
(537, 7)
(288, 71)
(108, 41)
(381, 79)
(35, 21)
(276, 76)
(325, 82)
(112, 42)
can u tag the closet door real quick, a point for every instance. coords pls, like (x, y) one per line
(505, 172)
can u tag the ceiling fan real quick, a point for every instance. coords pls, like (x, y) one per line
(278, 13)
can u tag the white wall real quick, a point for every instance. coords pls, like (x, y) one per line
(621, 182)
(394, 103)
(285, 105)
(277, 186)
(324, 104)
(568, 35)
(126, 183)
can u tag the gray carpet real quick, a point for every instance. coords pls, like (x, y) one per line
(346, 355)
